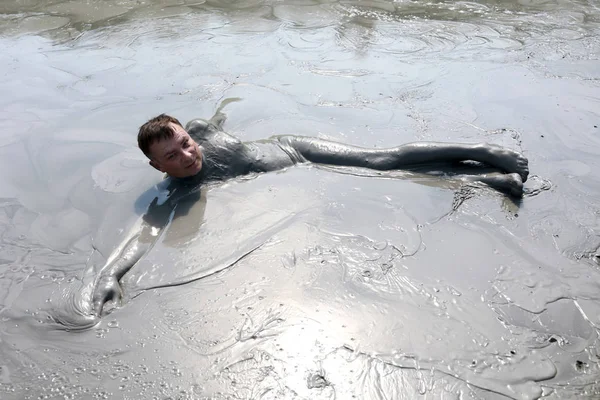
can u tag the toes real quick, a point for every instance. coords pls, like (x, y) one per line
(516, 187)
(524, 174)
(525, 170)
(521, 166)
(517, 191)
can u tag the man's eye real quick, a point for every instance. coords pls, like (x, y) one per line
(186, 144)
(170, 156)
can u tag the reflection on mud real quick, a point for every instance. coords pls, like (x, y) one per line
(308, 283)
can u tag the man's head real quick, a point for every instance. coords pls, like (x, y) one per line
(169, 147)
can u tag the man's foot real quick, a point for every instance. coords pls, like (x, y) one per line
(508, 160)
(508, 183)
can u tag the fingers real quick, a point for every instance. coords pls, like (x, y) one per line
(107, 289)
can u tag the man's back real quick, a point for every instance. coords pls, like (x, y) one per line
(225, 156)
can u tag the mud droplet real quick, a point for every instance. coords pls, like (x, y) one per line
(454, 292)
(317, 381)
(113, 324)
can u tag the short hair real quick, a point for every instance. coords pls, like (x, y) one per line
(154, 130)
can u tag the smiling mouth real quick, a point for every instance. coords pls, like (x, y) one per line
(197, 160)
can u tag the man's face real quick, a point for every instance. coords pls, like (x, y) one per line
(179, 156)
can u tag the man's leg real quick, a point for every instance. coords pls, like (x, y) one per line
(406, 156)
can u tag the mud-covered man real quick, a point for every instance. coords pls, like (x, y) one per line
(202, 152)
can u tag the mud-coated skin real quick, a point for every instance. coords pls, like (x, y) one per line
(225, 157)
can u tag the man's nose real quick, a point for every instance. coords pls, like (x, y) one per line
(189, 153)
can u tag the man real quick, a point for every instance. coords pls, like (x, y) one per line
(202, 152)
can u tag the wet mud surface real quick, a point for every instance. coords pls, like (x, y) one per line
(310, 283)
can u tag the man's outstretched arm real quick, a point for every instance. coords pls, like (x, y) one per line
(107, 287)
(137, 243)
(407, 155)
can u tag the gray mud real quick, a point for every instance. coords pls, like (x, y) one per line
(312, 283)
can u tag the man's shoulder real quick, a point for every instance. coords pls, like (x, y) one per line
(198, 128)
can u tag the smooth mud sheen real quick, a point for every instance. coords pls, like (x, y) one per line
(313, 282)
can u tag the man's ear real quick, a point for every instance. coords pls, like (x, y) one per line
(155, 165)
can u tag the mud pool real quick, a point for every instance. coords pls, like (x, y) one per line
(311, 283)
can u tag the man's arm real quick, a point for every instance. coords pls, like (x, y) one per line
(107, 287)
(137, 243)
(407, 155)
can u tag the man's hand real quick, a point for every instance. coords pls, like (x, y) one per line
(107, 289)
